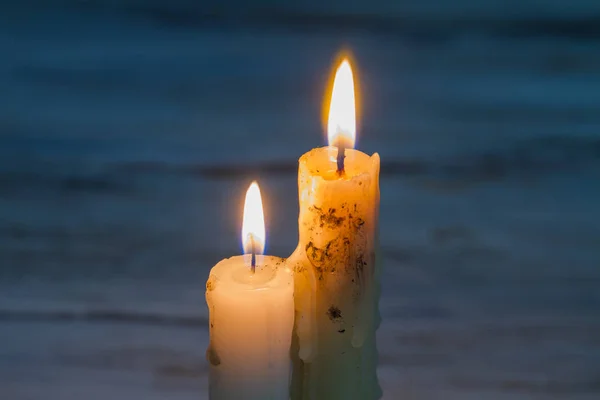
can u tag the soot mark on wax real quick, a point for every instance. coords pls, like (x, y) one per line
(323, 259)
(212, 357)
(210, 285)
(358, 223)
(361, 264)
(316, 254)
(334, 313)
(328, 218)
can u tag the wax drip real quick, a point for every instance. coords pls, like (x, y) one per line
(364, 316)
(368, 316)
(306, 323)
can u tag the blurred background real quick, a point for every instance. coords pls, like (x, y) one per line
(130, 130)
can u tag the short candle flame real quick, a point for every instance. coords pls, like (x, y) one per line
(341, 126)
(253, 225)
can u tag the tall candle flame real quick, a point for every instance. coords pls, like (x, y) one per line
(341, 126)
(253, 225)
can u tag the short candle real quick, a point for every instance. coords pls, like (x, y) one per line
(251, 314)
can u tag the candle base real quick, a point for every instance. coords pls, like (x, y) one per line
(333, 369)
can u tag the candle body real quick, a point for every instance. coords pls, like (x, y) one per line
(336, 277)
(251, 320)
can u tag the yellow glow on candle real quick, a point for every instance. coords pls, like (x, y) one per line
(253, 225)
(341, 126)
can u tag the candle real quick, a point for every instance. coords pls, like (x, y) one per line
(251, 308)
(336, 276)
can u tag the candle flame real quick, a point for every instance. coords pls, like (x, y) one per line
(253, 225)
(341, 126)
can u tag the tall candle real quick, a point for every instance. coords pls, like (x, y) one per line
(336, 276)
(251, 308)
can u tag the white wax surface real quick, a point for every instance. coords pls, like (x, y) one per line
(251, 321)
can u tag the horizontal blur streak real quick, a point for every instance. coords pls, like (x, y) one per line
(431, 18)
(102, 316)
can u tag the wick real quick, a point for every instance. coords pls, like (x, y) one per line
(340, 159)
(253, 250)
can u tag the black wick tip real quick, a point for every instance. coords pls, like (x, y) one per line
(340, 159)
(253, 250)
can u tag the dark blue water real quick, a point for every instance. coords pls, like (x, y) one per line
(130, 130)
